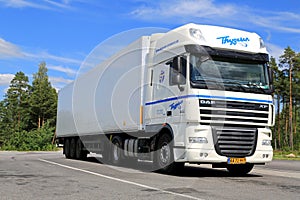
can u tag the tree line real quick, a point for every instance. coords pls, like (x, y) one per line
(287, 99)
(28, 113)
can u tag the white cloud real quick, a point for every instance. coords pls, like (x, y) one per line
(41, 4)
(46, 56)
(23, 4)
(59, 82)
(208, 11)
(64, 4)
(70, 72)
(8, 50)
(5, 79)
(281, 21)
(274, 50)
(11, 51)
(184, 9)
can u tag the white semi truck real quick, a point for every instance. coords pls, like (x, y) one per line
(196, 94)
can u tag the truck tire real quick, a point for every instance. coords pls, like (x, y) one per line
(80, 154)
(116, 150)
(73, 148)
(164, 158)
(67, 148)
(239, 170)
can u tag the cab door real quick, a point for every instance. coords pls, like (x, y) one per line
(169, 89)
(177, 86)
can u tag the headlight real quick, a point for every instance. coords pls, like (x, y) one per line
(201, 140)
(266, 143)
(196, 33)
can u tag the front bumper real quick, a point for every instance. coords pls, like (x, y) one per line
(210, 156)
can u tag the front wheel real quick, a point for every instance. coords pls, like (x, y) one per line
(240, 170)
(164, 158)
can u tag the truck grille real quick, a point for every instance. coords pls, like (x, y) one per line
(234, 142)
(214, 112)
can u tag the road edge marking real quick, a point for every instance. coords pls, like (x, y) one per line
(120, 180)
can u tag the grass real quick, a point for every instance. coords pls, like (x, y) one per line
(282, 155)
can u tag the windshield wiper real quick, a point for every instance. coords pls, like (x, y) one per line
(218, 84)
(255, 86)
(239, 85)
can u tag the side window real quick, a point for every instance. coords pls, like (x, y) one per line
(177, 69)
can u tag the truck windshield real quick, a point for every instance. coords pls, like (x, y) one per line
(229, 74)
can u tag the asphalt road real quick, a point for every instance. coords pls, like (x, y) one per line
(48, 175)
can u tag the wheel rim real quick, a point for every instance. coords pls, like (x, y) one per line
(165, 153)
(116, 152)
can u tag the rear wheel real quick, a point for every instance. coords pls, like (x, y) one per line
(240, 170)
(116, 148)
(80, 154)
(73, 148)
(67, 148)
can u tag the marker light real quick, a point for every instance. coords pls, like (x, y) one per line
(261, 43)
(266, 142)
(196, 33)
(201, 140)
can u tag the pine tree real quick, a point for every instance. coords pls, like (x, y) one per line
(14, 109)
(287, 61)
(2, 123)
(43, 100)
(296, 92)
(277, 95)
(16, 100)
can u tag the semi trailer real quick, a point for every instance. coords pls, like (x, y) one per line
(195, 94)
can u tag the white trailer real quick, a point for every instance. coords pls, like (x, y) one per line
(196, 94)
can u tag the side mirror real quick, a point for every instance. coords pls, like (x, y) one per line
(178, 67)
(176, 64)
(179, 78)
(271, 75)
(271, 79)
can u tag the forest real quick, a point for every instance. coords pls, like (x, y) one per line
(28, 111)
(287, 100)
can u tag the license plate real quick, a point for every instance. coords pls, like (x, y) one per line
(233, 161)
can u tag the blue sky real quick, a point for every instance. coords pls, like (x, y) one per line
(63, 32)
